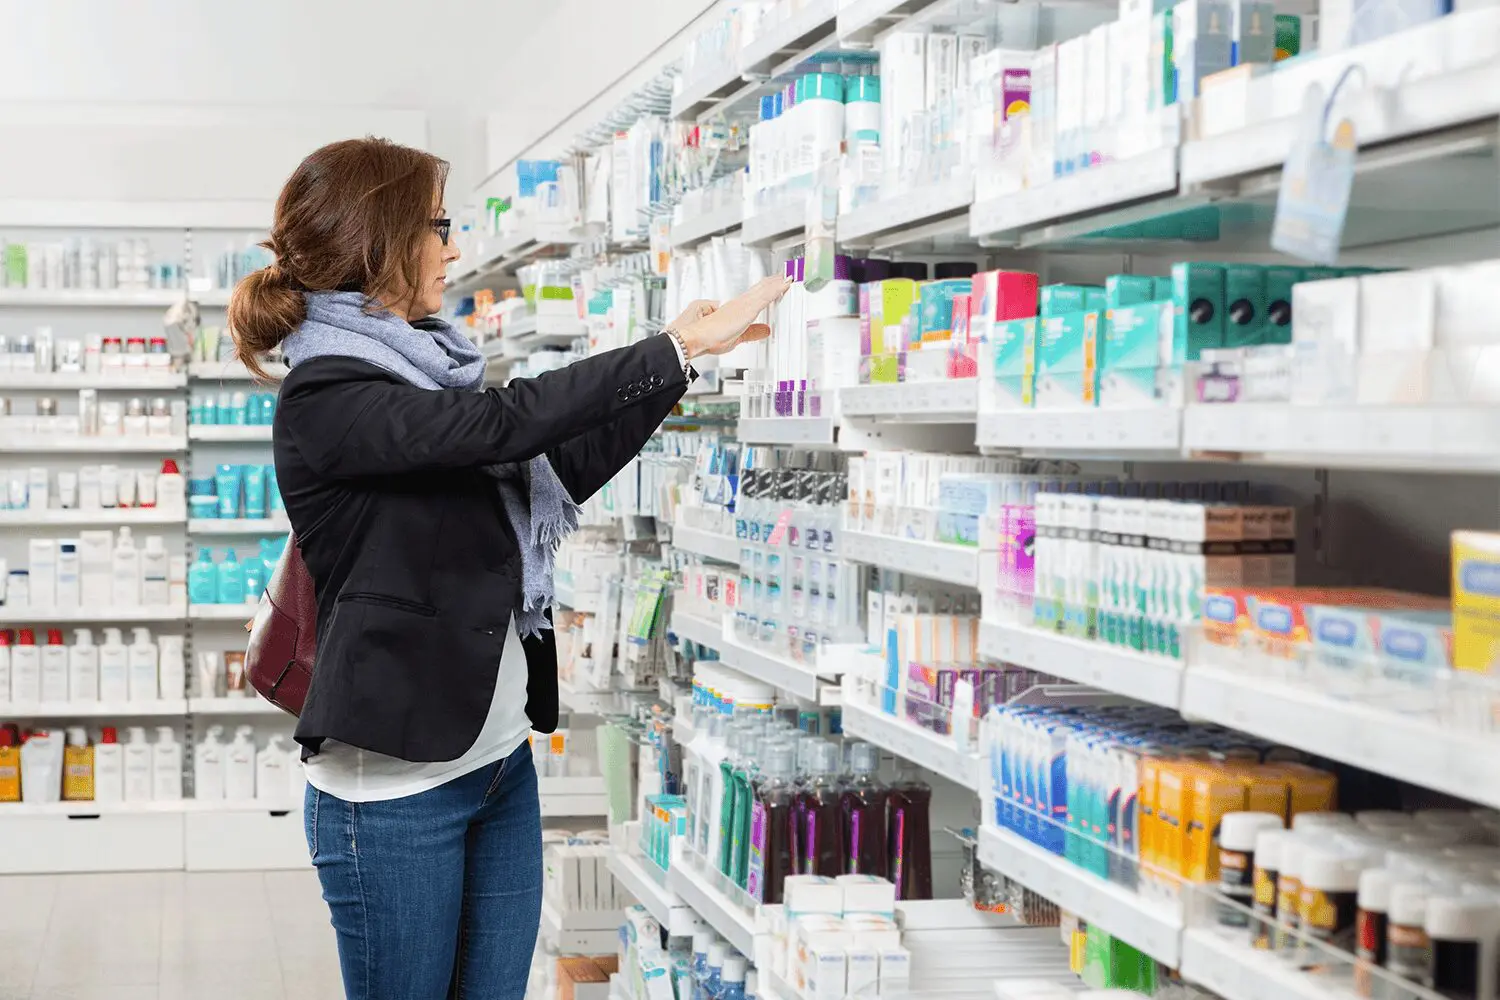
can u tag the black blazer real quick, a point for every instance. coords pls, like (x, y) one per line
(415, 566)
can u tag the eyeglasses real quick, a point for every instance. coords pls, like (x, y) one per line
(442, 227)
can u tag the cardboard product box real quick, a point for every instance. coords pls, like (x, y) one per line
(1476, 601)
(1198, 300)
(1244, 305)
(1137, 343)
(1066, 369)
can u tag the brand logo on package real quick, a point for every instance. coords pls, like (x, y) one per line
(1274, 619)
(1404, 644)
(1219, 609)
(1336, 632)
(1480, 577)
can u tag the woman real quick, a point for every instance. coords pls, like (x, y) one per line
(428, 510)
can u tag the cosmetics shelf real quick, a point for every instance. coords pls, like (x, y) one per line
(93, 444)
(229, 433)
(810, 28)
(144, 380)
(806, 432)
(955, 564)
(586, 933)
(222, 612)
(64, 710)
(946, 401)
(733, 922)
(1153, 679)
(715, 545)
(1414, 437)
(251, 704)
(83, 518)
(701, 227)
(769, 225)
(503, 254)
(801, 679)
(695, 628)
(1420, 751)
(1155, 431)
(570, 796)
(118, 298)
(239, 526)
(938, 754)
(231, 371)
(648, 884)
(923, 212)
(1154, 926)
(13, 614)
(1236, 971)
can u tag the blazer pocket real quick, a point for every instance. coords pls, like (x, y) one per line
(388, 601)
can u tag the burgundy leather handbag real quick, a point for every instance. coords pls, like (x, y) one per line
(284, 634)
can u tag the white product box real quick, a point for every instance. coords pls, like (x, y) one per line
(808, 894)
(895, 970)
(42, 563)
(1468, 303)
(868, 894)
(862, 971)
(1325, 333)
(1397, 313)
(827, 974)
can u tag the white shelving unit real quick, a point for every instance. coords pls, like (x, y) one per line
(953, 564)
(62, 444)
(588, 933)
(103, 298)
(239, 526)
(102, 517)
(698, 228)
(693, 628)
(222, 612)
(14, 614)
(142, 709)
(1089, 432)
(1154, 679)
(811, 432)
(573, 796)
(229, 433)
(734, 923)
(714, 545)
(143, 380)
(250, 704)
(230, 371)
(939, 754)
(648, 884)
(948, 401)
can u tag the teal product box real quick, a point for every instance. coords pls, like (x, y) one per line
(935, 308)
(1094, 299)
(1127, 290)
(1198, 297)
(1067, 362)
(1277, 328)
(1201, 43)
(1163, 289)
(1252, 32)
(1244, 304)
(1137, 343)
(1060, 299)
(1014, 374)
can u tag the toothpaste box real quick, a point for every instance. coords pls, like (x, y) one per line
(1013, 346)
(1066, 366)
(1131, 355)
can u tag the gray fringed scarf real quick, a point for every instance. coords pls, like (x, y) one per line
(431, 354)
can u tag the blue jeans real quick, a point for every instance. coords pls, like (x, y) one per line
(435, 895)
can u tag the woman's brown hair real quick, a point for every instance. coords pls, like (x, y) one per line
(350, 218)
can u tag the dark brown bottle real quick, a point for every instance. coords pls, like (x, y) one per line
(862, 808)
(910, 839)
(820, 846)
(770, 860)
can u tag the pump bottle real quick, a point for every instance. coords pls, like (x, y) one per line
(138, 784)
(239, 766)
(114, 668)
(166, 766)
(141, 660)
(25, 669)
(109, 767)
(83, 667)
(54, 657)
(125, 568)
(208, 766)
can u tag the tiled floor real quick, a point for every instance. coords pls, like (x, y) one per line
(166, 936)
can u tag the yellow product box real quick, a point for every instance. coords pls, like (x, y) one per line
(1476, 600)
(1174, 811)
(1147, 825)
(1309, 789)
(1215, 791)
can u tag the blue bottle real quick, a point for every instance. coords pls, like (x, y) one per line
(732, 979)
(273, 492)
(255, 579)
(717, 952)
(231, 579)
(701, 942)
(203, 579)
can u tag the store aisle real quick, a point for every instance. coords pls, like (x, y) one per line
(166, 936)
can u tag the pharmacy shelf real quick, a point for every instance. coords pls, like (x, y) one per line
(806, 432)
(230, 432)
(144, 380)
(705, 225)
(734, 923)
(83, 518)
(697, 95)
(948, 401)
(588, 933)
(13, 614)
(1152, 679)
(173, 807)
(93, 709)
(573, 796)
(716, 545)
(812, 26)
(585, 702)
(772, 224)
(93, 444)
(1435, 438)
(222, 612)
(503, 254)
(1235, 971)
(250, 704)
(696, 628)
(953, 564)
(648, 884)
(588, 602)
(1094, 432)
(915, 214)
(1416, 750)
(231, 371)
(120, 298)
(860, 21)
(239, 526)
(1153, 926)
(938, 754)
(1109, 186)
(801, 679)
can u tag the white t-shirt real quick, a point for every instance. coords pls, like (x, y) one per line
(356, 775)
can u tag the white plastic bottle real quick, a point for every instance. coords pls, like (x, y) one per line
(54, 658)
(239, 766)
(109, 767)
(138, 785)
(125, 572)
(208, 766)
(271, 781)
(141, 661)
(83, 667)
(114, 668)
(166, 766)
(171, 667)
(155, 564)
(25, 669)
(171, 488)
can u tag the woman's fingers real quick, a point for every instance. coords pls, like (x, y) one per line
(733, 321)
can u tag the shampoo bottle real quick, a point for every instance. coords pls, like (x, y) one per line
(114, 668)
(125, 566)
(208, 766)
(166, 766)
(255, 492)
(83, 667)
(231, 579)
(271, 781)
(78, 767)
(41, 766)
(54, 657)
(203, 579)
(138, 785)
(109, 767)
(154, 566)
(25, 669)
(141, 660)
(171, 668)
(239, 766)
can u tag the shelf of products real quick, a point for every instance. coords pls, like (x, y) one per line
(239, 526)
(231, 371)
(647, 884)
(800, 679)
(694, 628)
(146, 380)
(938, 754)
(1093, 432)
(947, 401)
(708, 544)
(102, 516)
(93, 710)
(586, 933)
(701, 227)
(573, 796)
(733, 923)
(102, 298)
(62, 444)
(928, 203)
(772, 224)
(14, 614)
(811, 432)
(565, 596)
(1156, 680)
(250, 704)
(955, 564)
(229, 434)
(1085, 191)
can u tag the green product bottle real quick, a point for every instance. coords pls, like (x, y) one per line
(732, 740)
(744, 770)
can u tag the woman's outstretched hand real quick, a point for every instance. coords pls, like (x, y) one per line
(707, 328)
